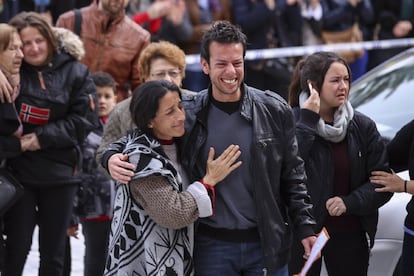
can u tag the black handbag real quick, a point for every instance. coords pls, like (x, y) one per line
(10, 190)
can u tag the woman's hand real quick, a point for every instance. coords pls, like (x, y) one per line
(219, 168)
(159, 9)
(29, 142)
(335, 206)
(313, 103)
(176, 12)
(390, 181)
(120, 169)
(402, 28)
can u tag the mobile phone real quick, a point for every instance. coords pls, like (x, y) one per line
(310, 87)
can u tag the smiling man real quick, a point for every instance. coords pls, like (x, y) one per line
(250, 232)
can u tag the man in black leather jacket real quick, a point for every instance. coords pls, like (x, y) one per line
(256, 207)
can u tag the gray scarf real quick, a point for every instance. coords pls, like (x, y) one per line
(342, 116)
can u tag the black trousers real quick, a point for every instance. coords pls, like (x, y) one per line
(49, 208)
(96, 235)
(344, 254)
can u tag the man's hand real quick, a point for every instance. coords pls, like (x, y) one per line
(307, 246)
(73, 231)
(120, 169)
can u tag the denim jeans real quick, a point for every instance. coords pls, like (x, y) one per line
(215, 257)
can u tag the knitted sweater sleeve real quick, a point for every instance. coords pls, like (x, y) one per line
(168, 207)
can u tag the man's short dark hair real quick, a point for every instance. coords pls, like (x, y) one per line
(222, 32)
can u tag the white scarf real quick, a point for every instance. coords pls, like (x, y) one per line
(342, 116)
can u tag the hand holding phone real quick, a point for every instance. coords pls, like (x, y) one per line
(310, 87)
(313, 102)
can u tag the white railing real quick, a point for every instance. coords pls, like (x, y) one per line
(306, 50)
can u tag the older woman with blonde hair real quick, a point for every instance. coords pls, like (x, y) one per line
(11, 56)
(158, 61)
(10, 131)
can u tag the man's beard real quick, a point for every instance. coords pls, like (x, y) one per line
(113, 12)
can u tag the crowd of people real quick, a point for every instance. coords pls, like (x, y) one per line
(267, 24)
(224, 167)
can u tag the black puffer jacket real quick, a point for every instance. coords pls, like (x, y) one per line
(56, 102)
(279, 190)
(367, 153)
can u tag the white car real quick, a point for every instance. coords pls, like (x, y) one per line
(386, 95)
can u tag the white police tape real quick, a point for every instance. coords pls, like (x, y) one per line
(307, 50)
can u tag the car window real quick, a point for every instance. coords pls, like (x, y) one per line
(386, 94)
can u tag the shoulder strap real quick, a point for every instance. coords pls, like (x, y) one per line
(78, 22)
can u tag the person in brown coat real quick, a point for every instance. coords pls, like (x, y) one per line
(113, 42)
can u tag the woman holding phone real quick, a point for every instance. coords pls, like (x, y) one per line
(340, 147)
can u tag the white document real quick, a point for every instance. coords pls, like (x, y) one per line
(320, 242)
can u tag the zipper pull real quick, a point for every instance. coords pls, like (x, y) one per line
(42, 81)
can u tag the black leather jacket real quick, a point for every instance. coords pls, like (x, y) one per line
(279, 191)
(367, 153)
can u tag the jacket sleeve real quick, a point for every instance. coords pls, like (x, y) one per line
(398, 148)
(306, 122)
(168, 207)
(364, 200)
(293, 182)
(112, 131)
(81, 116)
(9, 146)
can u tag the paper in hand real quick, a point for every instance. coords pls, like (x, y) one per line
(317, 247)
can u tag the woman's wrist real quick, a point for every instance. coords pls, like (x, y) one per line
(407, 188)
(207, 181)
